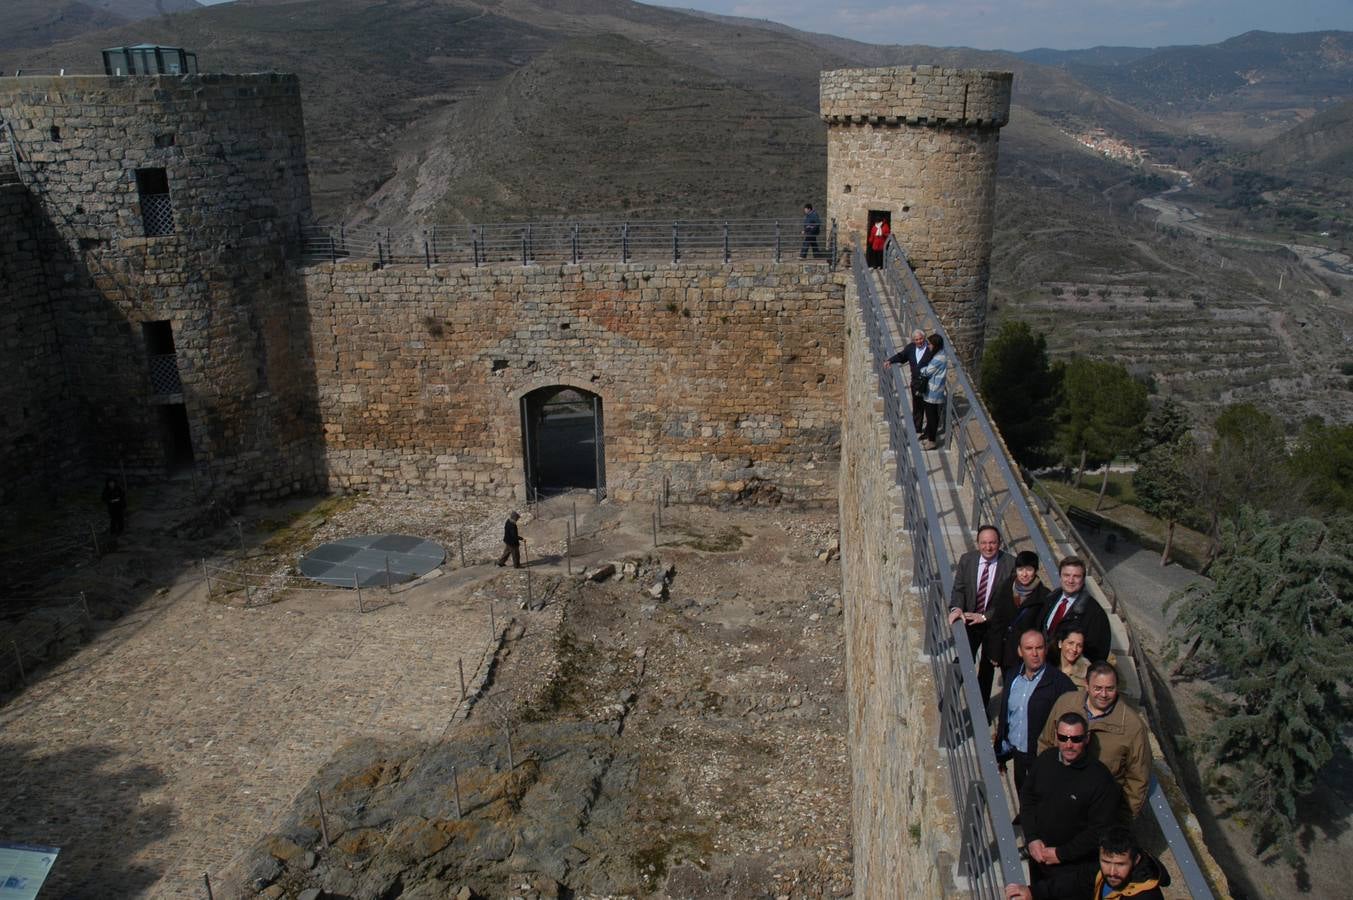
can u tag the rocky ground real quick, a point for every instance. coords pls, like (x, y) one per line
(674, 727)
(671, 723)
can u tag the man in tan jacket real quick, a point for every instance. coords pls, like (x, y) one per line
(1118, 734)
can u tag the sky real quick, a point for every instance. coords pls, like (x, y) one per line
(1025, 24)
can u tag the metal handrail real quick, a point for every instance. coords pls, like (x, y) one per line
(989, 855)
(569, 242)
(912, 309)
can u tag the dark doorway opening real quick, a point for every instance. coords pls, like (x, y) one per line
(562, 441)
(175, 436)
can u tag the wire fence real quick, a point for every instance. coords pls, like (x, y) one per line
(536, 243)
(46, 623)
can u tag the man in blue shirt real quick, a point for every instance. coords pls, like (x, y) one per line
(1031, 688)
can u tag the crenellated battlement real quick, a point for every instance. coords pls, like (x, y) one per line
(916, 95)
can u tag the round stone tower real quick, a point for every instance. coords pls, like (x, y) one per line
(917, 145)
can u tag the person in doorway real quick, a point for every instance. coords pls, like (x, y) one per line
(115, 499)
(812, 227)
(916, 355)
(935, 372)
(877, 240)
(512, 541)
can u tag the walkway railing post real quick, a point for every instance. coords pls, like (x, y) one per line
(727, 254)
(777, 240)
(575, 243)
(676, 249)
(333, 249)
(427, 252)
(625, 242)
(474, 239)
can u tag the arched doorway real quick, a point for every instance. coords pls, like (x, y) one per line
(562, 441)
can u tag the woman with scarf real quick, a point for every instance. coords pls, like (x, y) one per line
(1018, 603)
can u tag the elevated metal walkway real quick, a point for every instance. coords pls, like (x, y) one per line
(947, 493)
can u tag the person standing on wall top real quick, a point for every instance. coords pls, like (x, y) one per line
(812, 227)
(877, 240)
(1018, 606)
(935, 372)
(980, 574)
(512, 541)
(115, 499)
(1031, 690)
(1072, 607)
(916, 355)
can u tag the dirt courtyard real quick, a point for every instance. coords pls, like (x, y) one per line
(190, 727)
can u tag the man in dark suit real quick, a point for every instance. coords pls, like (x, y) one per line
(980, 572)
(1031, 690)
(1072, 607)
(916, 355)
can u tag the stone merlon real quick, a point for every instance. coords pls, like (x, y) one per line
(916, 95)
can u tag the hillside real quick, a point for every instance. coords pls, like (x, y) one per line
(1323, 143)
(37, 23)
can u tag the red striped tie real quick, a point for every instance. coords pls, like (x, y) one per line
(982, 586)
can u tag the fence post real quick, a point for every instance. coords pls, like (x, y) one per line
(389, 582)
(206, 882)
(323, 825)
(777, 240)
(493, 622)
(676, 247)
(357, 585)
(575, 516)
(460, 667)
(575, 243)
(380, 252)
(831, 257)
(460, 536)
(19, 658)
(523, 248)
(206, 573)
(625, 242)
(434, 245)
(727, 255)
(568, 552)
(427, 252)
(655, 529)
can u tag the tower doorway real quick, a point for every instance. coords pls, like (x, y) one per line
(562, 441)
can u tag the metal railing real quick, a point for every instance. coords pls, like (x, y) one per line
(998, 497)
(536, 243)
(989, 856)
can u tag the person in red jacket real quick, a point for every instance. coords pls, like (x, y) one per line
(877, 240)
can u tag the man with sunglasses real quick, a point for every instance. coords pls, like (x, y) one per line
(1067, 802)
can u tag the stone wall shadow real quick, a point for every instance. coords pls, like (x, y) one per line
(88, 801)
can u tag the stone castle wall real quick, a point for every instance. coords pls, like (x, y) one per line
(725, 379)
(232, 148)
(904, 825)
(920, 142)
(41, 448)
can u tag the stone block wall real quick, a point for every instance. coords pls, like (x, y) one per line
(920, 143)
(906, 840)
(232, 150)
(726, 379)
(40, 445)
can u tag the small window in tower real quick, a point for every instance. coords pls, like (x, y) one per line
(157, 213)
(165, 140)
(56, 133)
(162, 358)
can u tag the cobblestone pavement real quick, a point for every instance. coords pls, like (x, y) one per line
(168, 744)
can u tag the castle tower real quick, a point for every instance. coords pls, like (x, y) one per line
(161, 209)
(917, 145)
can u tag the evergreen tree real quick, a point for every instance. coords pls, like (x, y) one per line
(1019, 388)
(1100, 416)
(1164, 485)
(1323, 459)
(1167, 423)
(1277, 628)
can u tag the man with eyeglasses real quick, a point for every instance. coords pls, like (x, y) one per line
(1068, 800)
(1118, 736)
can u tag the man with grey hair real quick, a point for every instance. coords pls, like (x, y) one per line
(512, 541)
(916, 355)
